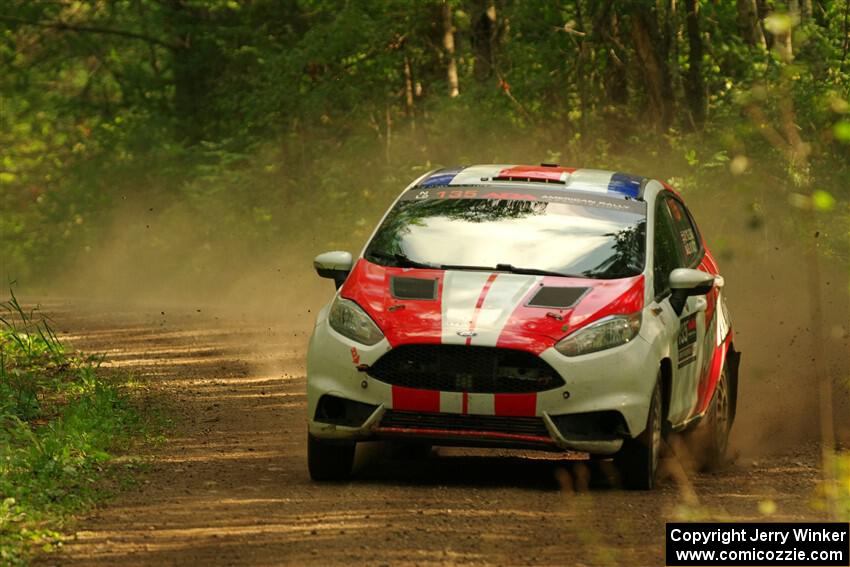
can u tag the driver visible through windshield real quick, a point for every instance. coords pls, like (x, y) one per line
(535, 231)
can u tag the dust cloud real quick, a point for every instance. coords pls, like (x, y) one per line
(763, 257)
(172, 259)
(160, 255)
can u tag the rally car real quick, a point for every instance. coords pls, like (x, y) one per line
(534, 307)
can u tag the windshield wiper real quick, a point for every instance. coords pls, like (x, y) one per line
(402, 261)
(508, 268)
(532, 271)
(465, 267)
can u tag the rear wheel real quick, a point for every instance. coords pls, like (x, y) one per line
(639, 457)
(717, 424)
(329, 460)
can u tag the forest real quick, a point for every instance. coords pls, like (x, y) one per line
(250, 127)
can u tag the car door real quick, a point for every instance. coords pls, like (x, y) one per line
(690, 339)
(665, 260)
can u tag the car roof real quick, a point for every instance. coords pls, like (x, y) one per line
(611, 183)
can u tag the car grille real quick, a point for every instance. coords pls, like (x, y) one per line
(461, 368)
(532, 426)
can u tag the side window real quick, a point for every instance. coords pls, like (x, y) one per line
(665, 251)
(687, 239)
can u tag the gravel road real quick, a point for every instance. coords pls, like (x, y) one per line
(230, 486)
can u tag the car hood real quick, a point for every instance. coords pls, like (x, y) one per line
(484, 308)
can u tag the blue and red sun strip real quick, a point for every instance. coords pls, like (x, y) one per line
(591, 180)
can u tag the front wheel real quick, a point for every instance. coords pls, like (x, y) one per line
(639, 457)
(329, 460)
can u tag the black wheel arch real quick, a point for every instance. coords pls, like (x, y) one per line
(733, 363)
(666, 392)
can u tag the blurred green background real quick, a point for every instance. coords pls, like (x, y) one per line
(174, 143)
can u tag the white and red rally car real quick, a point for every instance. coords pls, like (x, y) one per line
(539, 307)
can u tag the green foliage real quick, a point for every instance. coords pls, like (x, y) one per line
(251, 116)
(841, 494)
(58, 420)
(833, 496)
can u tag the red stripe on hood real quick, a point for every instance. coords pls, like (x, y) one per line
(535, 329)
(478, 305)
(401, 320)
(608, 297)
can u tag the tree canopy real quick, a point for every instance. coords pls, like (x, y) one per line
(245, 111)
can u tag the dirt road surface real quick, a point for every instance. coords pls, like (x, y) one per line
(230, 486)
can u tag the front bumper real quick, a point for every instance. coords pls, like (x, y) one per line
(605, 399)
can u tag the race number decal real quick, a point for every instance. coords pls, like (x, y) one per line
(687, 340)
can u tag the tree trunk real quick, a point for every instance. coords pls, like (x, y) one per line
(653, 65)
(607, 23)
(694, 85)
(763, 12)
(196, 63)
(408, 88)
(805, 10)
(389, 123)
(846, 44)
(672, 37)
(485, 34)
(819, 13)
(583, 78)
(749, 24)
(449, 46)
(784, 43)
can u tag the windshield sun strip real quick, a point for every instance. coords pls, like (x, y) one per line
(518, 193)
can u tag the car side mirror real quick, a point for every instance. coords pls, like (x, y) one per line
(334, 265)
(685, 282)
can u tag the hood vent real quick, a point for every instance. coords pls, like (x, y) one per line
(557, 297)
(413, 288)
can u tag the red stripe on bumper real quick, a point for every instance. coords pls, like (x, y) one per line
(413, 399)
(464, 434)
(515, 404)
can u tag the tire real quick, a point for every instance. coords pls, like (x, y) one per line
(718, 422)
(639, 457)
(329, 460)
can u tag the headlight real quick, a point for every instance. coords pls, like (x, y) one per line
(348, 319)
(606, 333)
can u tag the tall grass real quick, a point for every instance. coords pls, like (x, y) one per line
(59, 418)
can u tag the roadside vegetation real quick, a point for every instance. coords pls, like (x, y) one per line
(60, 418)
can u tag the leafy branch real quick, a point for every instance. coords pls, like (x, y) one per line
(64, 26)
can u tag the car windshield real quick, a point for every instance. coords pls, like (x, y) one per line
(592, 237)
